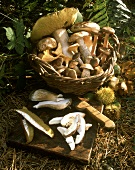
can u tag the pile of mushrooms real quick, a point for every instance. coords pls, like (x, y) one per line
(73, 127)
(75, 50)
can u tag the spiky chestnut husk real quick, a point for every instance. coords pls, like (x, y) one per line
(106, 95)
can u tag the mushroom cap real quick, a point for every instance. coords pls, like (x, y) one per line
(85, 26)
(87, 66)
(46, 25)
(105, 50)
(77, 35)
(46, 43)
(108, 30)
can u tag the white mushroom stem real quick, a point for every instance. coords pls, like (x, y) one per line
(62, 37)
(83, 48)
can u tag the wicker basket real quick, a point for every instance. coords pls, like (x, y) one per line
(77, 86)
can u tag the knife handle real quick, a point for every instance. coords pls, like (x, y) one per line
(100, 118)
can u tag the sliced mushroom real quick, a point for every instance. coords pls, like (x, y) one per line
(80, 130)
(55, 120)
(67, 120)
(69, 140)
(72, 128)
(57, 105)
(42, 94)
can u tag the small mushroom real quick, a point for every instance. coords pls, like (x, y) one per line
(73, 64)
(70, 73)
(86, 70)
(47, 57)
(78, 37)
(58, 63)
(77, 58)
(57, 105)
(107, 31)
(42, 95)
(46, 44)
(104, 53)
(73, 48)
(94, 61)
(90, 27)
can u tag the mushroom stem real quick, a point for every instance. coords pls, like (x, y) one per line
(62, 37)
(93, 51)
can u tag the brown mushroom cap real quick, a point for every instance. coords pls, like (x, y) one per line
(108, 30)
(77, 35)
(87, 66)
(46, 25)
(46, 43)
(85, 26)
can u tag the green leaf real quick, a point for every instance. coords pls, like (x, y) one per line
(19, 27)
(10, 45)
(10, 33)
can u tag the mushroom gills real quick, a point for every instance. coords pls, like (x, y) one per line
(67, 120)
(42, 95)
(73, 127)
(57, 105)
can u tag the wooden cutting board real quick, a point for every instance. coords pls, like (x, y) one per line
(57, 145)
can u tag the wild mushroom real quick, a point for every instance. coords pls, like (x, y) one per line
(78, 37)
(62, 37)
(73, 48)
(88, 41)
(42, 95)
(55, 120)
(46, 25)
(86, 70)
(73, 64)
(57, 105)
(47, 57)
(107, 31)
(46, 44)
(104, 53)
(70, 73)
(94, 61)
(90, 27)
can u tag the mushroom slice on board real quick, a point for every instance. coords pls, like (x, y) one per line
(46, 25)
(42, 95)
(67, 120)
(35, 121)
(73, 127)
(80, 130)
(29, 130)
(55, 120)
(57, 105)
(87, 126)
(69, 140)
